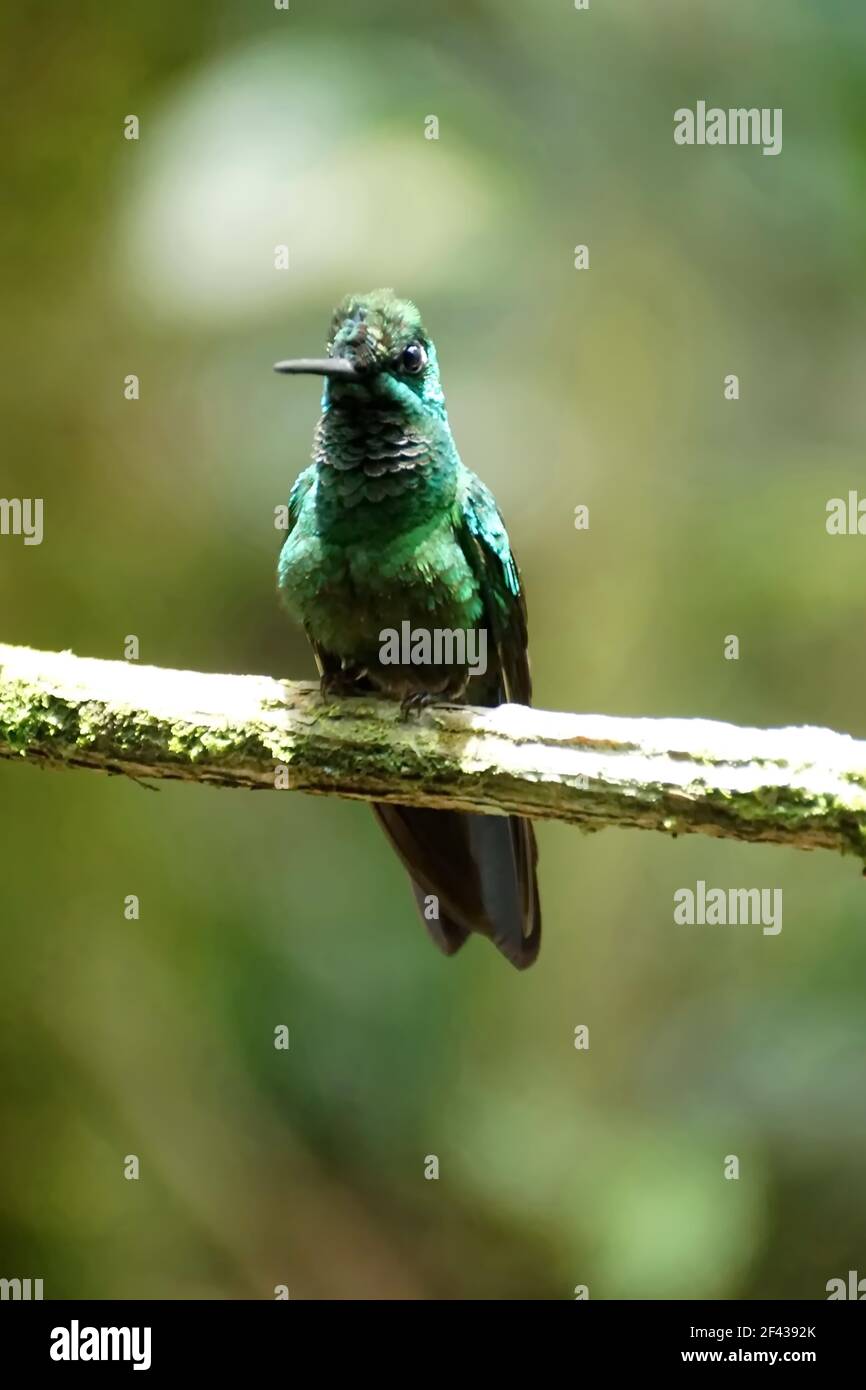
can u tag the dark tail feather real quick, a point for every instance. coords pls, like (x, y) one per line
(448, 935)
(481, 871)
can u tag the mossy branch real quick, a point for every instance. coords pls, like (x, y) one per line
(804, 787)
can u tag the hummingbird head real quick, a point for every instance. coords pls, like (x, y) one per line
(377, 350)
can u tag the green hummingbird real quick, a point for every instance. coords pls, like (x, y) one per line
(390, 533)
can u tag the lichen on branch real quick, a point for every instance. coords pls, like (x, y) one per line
(800, 786)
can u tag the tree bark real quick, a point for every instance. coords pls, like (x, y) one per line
(800, 786)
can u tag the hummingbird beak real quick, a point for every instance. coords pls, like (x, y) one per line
(319, 366)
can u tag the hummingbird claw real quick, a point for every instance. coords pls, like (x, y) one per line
(335, 685)
(412, 705)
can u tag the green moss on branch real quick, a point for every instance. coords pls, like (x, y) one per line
(804, 787)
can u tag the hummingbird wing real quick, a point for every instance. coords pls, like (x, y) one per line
(300, 487)
(484, 541)
(477, 873)
(511, 848)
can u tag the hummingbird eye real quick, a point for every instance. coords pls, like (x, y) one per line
(413, 359)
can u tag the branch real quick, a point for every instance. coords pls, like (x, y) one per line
(804, 787)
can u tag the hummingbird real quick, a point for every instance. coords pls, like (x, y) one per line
(387, 527)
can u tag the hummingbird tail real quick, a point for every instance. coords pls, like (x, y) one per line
(470, 873)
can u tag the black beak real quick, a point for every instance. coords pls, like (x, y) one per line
(319, 366)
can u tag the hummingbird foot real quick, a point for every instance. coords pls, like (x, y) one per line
(412, 704)
(336, 684)
(418, 700)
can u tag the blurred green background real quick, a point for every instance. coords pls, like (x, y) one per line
(603, 387)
